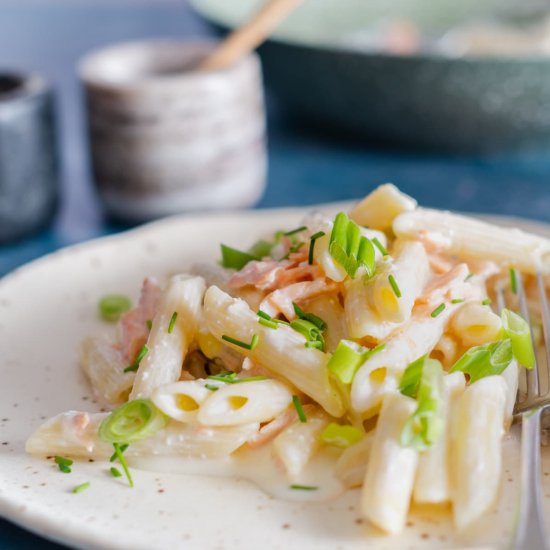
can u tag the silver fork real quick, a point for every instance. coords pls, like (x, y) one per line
(530, 533)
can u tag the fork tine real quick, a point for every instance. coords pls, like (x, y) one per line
(545, 327)
(500, 300)
(533, 381)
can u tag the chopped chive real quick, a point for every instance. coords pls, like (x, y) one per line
(264, 315)
(112, 306)
(298, 406)
(281, 322)
(514, 281)
(294, 231)
(227, 377)
(468, 277)
(211, 387)
(304, 487)
(234, 341)
(487, 302)
(269, 324)
(135, 365)
(149, 324)
(437, 310)
(301, 314)
(81, 487)
(457, 301)
(172, 323)
(312, 240)
(65, 469)
(251, 379)
(393, 284)
(115, 472)
(122, 449)
(123, 463)
(62, 460)
(380, 247)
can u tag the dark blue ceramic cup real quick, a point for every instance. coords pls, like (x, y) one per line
(29, 183)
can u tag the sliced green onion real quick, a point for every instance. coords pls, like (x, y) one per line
(123, 463)
(347, 359)
(486, 302)
(149, 324)
(234, 341)
(112, 306)
(299, 409)
(394, 286)
(132, 421)
(514, 281)
(304, 487)
(115, 472)
(312, 240)
(172, 323)
(380, 247)
(349, 248)
(341, 436)
(486, 360)
(424, 427)
(301, 314)
(517, 329)
(314, 344)
(260, 249)
(65, 469)
(437, 310)
(135, 365)
(235, 259)
(457, 300)
(294, 231)
(310, 331)
(410, 379)
(211, 387)
(81, 487)
(122, 449)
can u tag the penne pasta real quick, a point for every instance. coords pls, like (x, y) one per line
(281, 351)
(298, 443)
(391, 468)
(181, 300)
(432, 484)
(476, 324)
(472, 239)
(477, 452)
(379, 208)
(181, 400)
(351, 466)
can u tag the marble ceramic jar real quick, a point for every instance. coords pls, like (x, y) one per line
(165, 138)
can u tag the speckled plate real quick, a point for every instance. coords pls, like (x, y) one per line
(48, 306)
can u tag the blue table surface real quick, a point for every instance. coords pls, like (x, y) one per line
(306, 166)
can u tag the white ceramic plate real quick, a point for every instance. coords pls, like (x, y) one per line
(46, 309)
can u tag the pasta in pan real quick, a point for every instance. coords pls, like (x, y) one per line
(362, 350)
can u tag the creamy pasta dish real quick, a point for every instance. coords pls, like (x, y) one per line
(371, 350)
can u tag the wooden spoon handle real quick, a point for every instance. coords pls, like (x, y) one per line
(249, 36)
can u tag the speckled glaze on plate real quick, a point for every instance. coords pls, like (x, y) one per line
(46, 309)
(423, 100)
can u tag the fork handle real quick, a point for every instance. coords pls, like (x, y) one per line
(530, 532)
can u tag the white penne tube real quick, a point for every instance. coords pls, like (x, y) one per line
(351, 465)
(162, 363)
(380, 374)
(432, 483)
(281, 351)
(104, 366)
(409, 271)
(477, 450)
(361, 318)
(379, 208)
(468, 238)
(445, 351)
(74, 434)
(298, 443)
(181, 400)
(511, 376)
(328, 308)
(476, 324)
(386, 493)
(245, 402)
